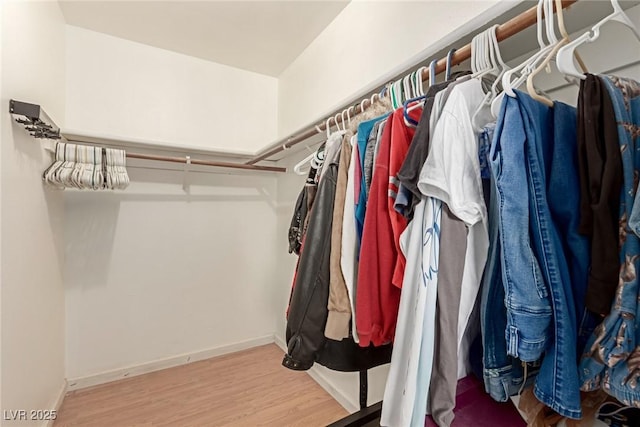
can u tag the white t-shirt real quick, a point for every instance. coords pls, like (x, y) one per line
(452, 174)
(406, 391)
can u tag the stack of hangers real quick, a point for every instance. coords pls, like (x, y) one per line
(87, 168)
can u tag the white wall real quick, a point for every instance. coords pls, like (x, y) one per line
(32, 249)
(153, 272)
(127, 89)
(367, 41)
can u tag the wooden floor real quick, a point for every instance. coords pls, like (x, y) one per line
(249, 388)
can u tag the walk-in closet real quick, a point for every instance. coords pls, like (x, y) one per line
(320, 213)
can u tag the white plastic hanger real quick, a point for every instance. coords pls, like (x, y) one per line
(414, 87)
(508, 84)
(406, 87)
(418, 89)
(362, 107)
(297, 169)
(416, 82)
(528, 65)
(499, 68)
(341, 122)
(482, 54)
(564, 59)
(545, 63)
(373, 98)
(398, 92)
(474, 56)
(327, 127)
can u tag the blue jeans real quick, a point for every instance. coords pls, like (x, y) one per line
(503, 374)
(557, 382)
(563, 195)
(527, 301)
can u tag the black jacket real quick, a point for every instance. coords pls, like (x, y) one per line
(299, 222)
(308, 306)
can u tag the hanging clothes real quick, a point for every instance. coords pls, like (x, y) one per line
(300, 218)
(364, 131)
(339, 304)
(444, 375)
(381, 265)
(442, 180)
(601, 183)
(420, 244)
(452, 174)
(500, 249)
(349, 242)
(541, 313)
(308, 312)
(612, 355)
(409, 173)
(503, 374)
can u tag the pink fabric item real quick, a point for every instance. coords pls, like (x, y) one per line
(474, 407)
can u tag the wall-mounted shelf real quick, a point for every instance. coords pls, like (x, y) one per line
(40, 126)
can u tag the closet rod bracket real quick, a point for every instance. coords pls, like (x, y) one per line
(34, 120)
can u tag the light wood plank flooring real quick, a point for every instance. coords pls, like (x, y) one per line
(249, 388)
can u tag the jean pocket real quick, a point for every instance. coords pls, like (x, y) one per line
(495, 165)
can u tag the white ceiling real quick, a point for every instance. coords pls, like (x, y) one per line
(261, 36)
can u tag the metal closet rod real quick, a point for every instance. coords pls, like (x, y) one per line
(504, 31)
(205, 162)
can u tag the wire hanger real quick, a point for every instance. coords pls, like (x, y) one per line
(564, 58)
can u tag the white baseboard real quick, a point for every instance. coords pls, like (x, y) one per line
(57, 402)
(347, 403)
(169, 362)
(280, 342)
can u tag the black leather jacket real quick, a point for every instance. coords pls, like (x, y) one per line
(308, 306)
